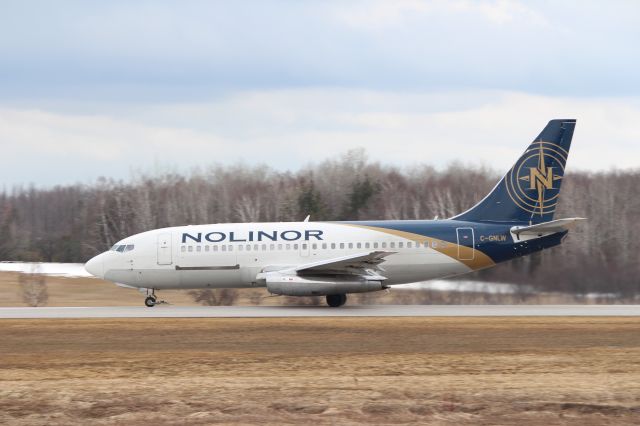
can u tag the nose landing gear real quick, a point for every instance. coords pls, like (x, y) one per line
(151, 299)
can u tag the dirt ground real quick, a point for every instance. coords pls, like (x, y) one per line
(321, 370)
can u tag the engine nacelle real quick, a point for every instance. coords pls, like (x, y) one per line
(296, 285)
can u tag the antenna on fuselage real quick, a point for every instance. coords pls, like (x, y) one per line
(306, 219)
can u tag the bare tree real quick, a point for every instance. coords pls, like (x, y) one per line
(73, 223)
(33, 286)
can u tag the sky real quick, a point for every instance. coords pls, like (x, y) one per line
(90, 89)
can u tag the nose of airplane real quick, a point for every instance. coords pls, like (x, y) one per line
(95, 266)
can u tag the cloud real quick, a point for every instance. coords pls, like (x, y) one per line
(49, 148)
(288, 129)
(379, 15)
(195, 50)
(101, 88)
(504, 11)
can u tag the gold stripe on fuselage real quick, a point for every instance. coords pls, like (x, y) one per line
(473, 258)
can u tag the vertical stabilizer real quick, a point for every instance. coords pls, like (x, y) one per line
(530, 190)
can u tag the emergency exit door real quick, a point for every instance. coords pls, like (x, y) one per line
(164, 249)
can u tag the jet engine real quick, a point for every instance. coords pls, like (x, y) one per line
(317, 285)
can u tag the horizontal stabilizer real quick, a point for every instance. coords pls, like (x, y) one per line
(558, 225)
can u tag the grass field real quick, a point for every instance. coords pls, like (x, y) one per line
(94, 292)
(321, 370)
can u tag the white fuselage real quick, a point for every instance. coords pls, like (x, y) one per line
(232, 255)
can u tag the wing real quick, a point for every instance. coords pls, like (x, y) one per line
(364, 265)
(369, 260)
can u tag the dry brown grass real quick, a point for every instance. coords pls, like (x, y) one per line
(321, 370)
(95, 292)
(80, 292)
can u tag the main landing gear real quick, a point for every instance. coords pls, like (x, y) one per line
(336, 300)
(151, 299)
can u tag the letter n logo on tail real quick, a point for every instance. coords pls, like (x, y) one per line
(532, 180)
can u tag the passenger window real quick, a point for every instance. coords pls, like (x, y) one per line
(350, 245)
(190, 249)
(434, 244)
(183, 249)
(206, 248)
(375, 245)
(384, 245)
(304, 246)
(230, 248)
(224, 248)
(324, 246)
(400, 244)
(264, 247)
(333, 246)
(288, 246)
(367, 245)
(215, 248)
(314, 246)
(341, 245)
(392, 245)
(295, 247)
(198, 249)
(256, 247)
(240, 247)
(272, 247)
(359, 245)
(409, 244)
(279, 246)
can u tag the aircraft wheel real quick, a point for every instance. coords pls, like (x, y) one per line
(336, 300)
(150, 301)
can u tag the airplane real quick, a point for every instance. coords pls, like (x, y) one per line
(334, 259)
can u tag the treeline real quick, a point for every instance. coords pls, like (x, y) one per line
(73, 223)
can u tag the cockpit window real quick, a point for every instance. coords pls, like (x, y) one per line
(121, 248)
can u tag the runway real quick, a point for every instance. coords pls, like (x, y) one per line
(168, 311)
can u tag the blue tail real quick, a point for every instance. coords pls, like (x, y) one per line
(529, 192)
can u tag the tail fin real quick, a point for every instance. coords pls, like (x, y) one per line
(529, 192)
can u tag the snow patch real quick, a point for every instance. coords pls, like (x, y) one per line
(464, 286)
(55, 269)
